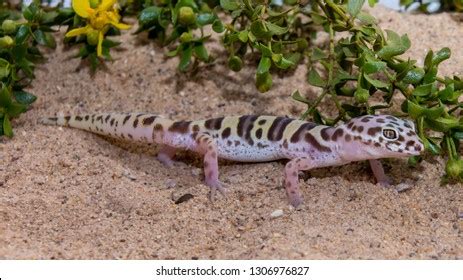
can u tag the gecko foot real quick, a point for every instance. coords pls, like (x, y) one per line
(295, 200)
(165, 160)
(216, 186)
(385, 182)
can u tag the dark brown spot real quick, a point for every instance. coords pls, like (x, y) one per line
(401, 138)
(391, 118)
(112, 122)
(356, 137)
(86, 117)
(295, 174)
(158, 127)
(348, 138)
(379, 120)
(407, 125)
(324, 133)
(149, 120)
(107, 118)
(309, 138)
(195, 128)
(262, 122)
(53, 119)
(67, 118)
(337, 133)
(350, 125)
(360, 129)
(377, 144)
(229, 143)
(237, 143)
(126, 118)
(285, 144)
(215, 124)
(261, 146)
(78, 118)
(213, 154)
(180, 127)
(226, 133)
(296, 137)
(130, 136)
(366, 119)
(374, 130)
(100, 118)
(135, 123)
(259, 133)
(290, 165)
(275, 132)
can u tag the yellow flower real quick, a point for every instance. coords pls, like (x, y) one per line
(98, 19)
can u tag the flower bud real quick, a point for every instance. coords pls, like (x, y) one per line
(186, 16)
(454, 168)
(235, 63)
(6, 41)
(8, 26)
(92, 37)
(186, 37)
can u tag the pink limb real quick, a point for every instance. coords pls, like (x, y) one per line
(378, 171)
(292, 179)
(205, 145)
(166, 154)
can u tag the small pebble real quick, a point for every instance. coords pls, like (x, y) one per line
(130, 176)
(195, 171)
(276, 213)
(170, 183)
(402, 187)
(184, 198)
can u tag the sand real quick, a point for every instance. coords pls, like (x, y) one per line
(69, 194)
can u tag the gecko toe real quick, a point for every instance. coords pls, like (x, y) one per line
(217, 187)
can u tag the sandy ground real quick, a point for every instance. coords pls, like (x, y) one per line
(68, 194)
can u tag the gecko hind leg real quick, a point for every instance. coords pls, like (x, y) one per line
(166, 154)
(378, 171)
(292, 169)
(207, 147)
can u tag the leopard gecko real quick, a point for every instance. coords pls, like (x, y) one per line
(253, 138)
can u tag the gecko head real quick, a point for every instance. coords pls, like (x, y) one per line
(384, 136)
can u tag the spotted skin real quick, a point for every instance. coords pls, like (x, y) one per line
(252, 138)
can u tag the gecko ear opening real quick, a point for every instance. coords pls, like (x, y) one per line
(390, 134)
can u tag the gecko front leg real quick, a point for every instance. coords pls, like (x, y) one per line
(378, 171)
(206, 145)
(292, 178)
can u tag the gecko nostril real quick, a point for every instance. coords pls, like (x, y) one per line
(418, 147)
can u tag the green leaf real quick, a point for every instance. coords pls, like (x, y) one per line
(374, 82)
(217, 26)
(423, 90)
(354, 7)
(39, 37)
(264, 49)
(264, 65)
(243, 36)
(185, 58)
(5, 98)
(149, 16)
(50, 41)
(366, 18)
(315, 79)
(395, 45)
(15, 109)
(7, 130)
(275, 29)
(448, 94)
(440, 56)
(259, 29)
(22, 34)
(374, 66)
(24, 97)
(415, 111)
(318, 54)
(443, 124)
(4, 68)
(201, 52)
(230, 5)
(298, 97)
(206, 18)
(372, 2)
(263, 81)
(235, 63)
(414, 76)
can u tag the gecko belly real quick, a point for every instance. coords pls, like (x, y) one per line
(234, 148)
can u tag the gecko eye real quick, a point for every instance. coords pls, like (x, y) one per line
(390, 134)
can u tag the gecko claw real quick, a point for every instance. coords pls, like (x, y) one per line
(217, 187)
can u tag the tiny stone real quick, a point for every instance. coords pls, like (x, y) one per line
(170, 183)
(276, 213)
(402, 187)
(130, 176)
(152, 52)
(195, 171)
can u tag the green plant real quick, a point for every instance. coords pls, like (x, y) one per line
(20, 36)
